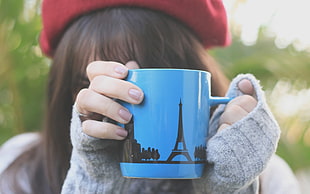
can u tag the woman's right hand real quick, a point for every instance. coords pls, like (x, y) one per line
(106, 85)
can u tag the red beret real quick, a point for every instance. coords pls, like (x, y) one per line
(207, 18)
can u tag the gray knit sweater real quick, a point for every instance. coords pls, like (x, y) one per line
(237, 155)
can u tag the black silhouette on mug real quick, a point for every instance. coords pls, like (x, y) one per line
(133, 153)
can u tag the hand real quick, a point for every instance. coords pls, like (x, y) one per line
(106, 84)
(240, 106)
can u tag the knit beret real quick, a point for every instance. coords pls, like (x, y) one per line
(206, 18)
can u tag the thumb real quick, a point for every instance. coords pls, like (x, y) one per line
(246, 87)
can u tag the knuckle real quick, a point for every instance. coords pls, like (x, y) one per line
(247, 98)
(223, 119)
(233, 109)
(110, 110)
(97, 82)
(230, 113)
(98, 79)
(244, 99)
(91, 68)
(109, 107)
(247, 102)
(83, 92)
(105, 133)
(87, 126)
(82, 96)
(90, 71)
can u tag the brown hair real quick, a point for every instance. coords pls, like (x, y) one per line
(116, 34)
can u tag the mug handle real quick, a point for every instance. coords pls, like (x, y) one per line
(219, 100)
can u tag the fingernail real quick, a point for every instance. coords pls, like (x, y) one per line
(124, 114)
(121, 132)
(135, 94)
(120, 70)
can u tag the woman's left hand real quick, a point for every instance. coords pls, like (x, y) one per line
(240, 106)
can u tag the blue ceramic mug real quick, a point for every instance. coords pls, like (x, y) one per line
(168, 131)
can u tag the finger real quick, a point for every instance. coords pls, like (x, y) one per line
(246, 87)
(108, 68)
(103, 130)
(89, 101)
(132, 65)
(223, 126)
(232, 114)
(116, 88)
(246, 102)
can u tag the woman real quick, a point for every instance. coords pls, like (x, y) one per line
(93, 44)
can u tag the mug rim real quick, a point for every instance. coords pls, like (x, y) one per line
(169, 69)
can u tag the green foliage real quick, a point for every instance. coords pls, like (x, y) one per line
(22, 69)
(283, 73)
(265, 60)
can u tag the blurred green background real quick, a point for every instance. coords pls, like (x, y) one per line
(284, 74)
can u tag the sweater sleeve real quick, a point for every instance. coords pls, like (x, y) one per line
(94, 168)
(93, 162)
(239, 153)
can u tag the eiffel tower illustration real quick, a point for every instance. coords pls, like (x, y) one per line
(180, 145)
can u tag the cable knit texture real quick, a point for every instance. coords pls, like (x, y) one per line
(236, 156)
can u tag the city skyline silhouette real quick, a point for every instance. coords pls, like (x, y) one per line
(133, 152)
